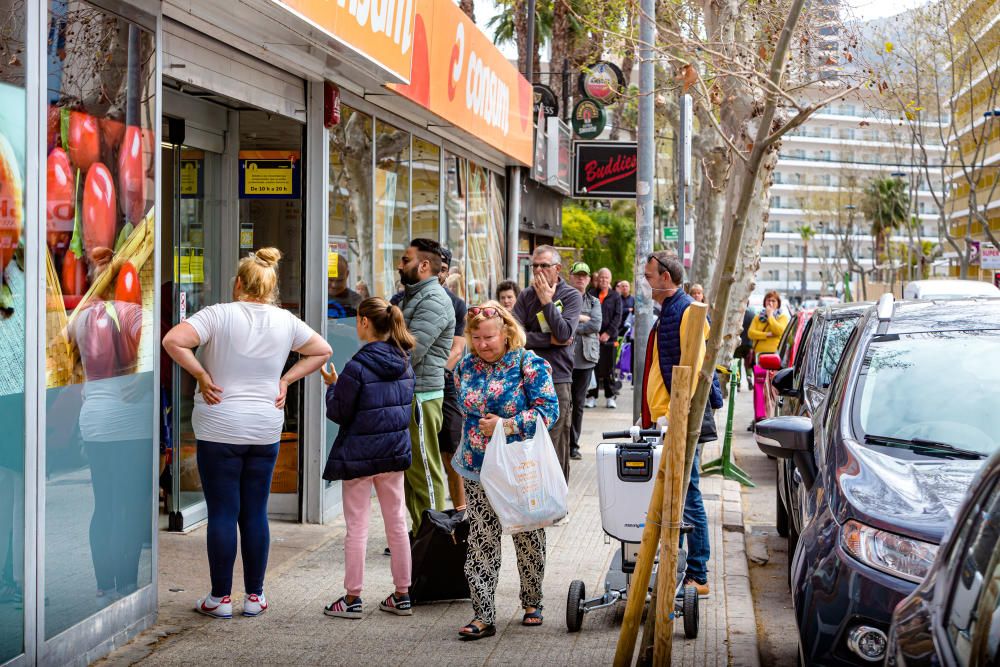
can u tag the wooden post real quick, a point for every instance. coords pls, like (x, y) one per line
(691, 346)
(673, 510)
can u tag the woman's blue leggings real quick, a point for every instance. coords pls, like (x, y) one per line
(237, 482)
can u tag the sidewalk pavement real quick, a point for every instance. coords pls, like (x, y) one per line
(306, 572)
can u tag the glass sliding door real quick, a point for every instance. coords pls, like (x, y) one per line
(192, 235)
(14, 245)
(99, 330)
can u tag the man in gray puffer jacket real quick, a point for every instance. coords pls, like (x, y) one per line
(430, 317)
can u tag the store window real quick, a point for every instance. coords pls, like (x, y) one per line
(392, 205)
(13, 236)
(100, 340)
(455, 216)
(349, 235)
(477, 233)
(426, 189)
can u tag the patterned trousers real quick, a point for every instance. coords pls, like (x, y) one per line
(482, 566)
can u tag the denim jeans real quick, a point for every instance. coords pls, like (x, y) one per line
(236, 480)
(698, 549)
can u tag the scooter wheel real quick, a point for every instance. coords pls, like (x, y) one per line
(574, 605)
(690, 610)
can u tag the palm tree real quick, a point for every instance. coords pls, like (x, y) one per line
(886, 203)
(510, 26)
(806, 232)
(469, 7)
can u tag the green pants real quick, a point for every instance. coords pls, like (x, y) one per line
(424, 482)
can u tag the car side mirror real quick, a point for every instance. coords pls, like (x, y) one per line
(769, 362)
(784, 437)
(783, 383)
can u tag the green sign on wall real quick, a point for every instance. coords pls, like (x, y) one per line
(670, 234)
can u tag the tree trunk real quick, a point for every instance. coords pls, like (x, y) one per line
(709, 210)
(805, 265)
(562, 48)
(521, 33)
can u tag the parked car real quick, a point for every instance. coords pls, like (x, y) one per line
(949, 289)
(909, 416)
(800, 386)
(953, 617)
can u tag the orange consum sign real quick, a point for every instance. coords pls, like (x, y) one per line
(459, 75)
(381, 31)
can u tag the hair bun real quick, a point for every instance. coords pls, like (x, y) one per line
(268, 256)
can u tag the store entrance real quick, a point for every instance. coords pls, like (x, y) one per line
(232, 183)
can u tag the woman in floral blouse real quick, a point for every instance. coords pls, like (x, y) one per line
(500, 385)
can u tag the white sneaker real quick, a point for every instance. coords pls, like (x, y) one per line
(590, 403)
(254, 605)
(215, 607)
(611, 404)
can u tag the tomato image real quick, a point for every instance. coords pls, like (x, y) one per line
(11, 206)
(84, 140)
(132, 175)
(100, 210)
(60, 205)
(127, 285)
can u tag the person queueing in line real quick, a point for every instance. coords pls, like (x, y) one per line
(586, 352)
(549, 310)
(611, 319)
(507, 292)
(503, 386)
(371, 400)
(237, 417)
(430, 318)
(664, 273)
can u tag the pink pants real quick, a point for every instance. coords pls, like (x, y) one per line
(759, 399)
(357, 495)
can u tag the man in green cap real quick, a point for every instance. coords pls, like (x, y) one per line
(586, 351)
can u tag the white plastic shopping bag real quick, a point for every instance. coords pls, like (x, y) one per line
(524, 481)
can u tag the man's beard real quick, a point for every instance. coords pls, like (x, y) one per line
(409, 277)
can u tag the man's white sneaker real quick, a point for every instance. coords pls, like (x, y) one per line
(215, 607)
(611, 404)
(254, 605)
(590, 403)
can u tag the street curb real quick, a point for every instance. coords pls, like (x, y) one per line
(741, 621)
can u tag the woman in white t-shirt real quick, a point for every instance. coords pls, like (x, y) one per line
(238, 415)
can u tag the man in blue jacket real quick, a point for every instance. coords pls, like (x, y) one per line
(664, 273)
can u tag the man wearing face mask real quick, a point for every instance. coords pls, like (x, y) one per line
(430, 317)
(549, 310)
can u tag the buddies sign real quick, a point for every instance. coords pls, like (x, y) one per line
(604, 169)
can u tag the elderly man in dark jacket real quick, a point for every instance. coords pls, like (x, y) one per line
(611, 319)
(549, 310)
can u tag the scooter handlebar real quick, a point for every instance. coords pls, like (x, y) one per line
(635, 433)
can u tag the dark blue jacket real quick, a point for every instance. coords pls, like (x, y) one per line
(668, 330)
(371, 401)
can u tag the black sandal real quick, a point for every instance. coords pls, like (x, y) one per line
(472, 632)
(530, 618)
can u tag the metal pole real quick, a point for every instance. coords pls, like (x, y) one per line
(684, 170)
(644, 198)
(529, 58)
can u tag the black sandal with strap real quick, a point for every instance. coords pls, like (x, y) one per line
(473, 632)
(532, 619)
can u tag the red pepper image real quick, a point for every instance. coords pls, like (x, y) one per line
(127, 285)
(132, 175)
(100, 210)
(84, 141)
(60, 205)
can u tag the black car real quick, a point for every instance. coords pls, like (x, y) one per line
(953, 618)
(885, 459)
(801, 386)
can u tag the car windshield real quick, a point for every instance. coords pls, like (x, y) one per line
(936, 387)
(834, 339)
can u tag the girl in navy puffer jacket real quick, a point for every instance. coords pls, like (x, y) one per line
(371, 401)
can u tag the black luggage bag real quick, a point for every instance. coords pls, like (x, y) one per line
(438, 554)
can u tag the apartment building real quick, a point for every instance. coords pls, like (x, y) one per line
(822, 171)
(974, 200)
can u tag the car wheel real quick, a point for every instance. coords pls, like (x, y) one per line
(781, 514)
